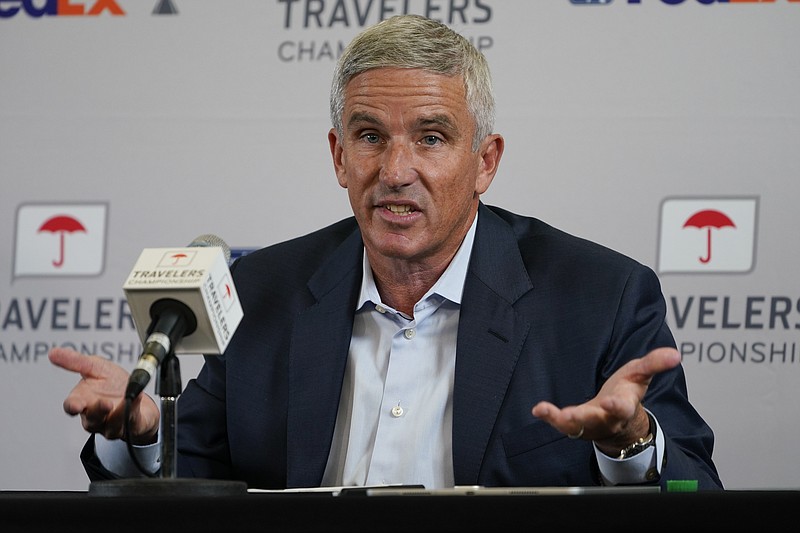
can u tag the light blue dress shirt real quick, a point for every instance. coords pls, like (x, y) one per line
(395, 418)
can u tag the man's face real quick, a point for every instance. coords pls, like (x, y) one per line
(407, 163)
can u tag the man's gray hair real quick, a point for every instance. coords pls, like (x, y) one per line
(413, 41)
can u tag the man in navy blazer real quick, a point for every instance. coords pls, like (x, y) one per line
(545, 316)
(323, 384)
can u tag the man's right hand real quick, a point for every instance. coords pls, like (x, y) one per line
(99, 398)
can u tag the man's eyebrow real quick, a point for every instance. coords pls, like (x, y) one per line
(443, 122)
(437, 120)
(360, 117)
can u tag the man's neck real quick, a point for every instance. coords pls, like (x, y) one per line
(402, 284)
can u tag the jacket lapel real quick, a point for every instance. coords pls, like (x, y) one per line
(317, 359)
(490, 336)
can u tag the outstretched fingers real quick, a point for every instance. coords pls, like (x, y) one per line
(616, 404)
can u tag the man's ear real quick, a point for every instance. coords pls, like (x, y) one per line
(337, 153)
(491, 151)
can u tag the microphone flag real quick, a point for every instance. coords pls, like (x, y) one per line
(199, 278)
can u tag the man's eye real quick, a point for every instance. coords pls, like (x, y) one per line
(371, 138)
(431, 140)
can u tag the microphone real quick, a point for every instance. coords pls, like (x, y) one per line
(182, 300)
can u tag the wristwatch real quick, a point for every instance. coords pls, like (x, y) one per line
(640, 444)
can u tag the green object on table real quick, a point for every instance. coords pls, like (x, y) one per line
(681, 485)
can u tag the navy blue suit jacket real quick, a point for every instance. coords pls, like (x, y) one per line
(545, 316)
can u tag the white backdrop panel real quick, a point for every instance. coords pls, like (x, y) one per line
(214, 120)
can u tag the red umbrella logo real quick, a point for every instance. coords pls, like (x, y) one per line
(61, 224)
(708, 219)
(176, 258)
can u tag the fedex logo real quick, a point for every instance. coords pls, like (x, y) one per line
(49, 8)
(676, 2)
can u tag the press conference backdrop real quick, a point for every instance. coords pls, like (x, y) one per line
(668, 130)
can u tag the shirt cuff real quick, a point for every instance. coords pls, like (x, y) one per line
(644, 467)
(113, 455)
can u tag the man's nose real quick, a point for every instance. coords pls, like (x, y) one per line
(397, 168)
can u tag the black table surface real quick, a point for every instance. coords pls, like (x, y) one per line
(730, 510)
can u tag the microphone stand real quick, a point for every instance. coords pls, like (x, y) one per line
(168, 484)
(169, 388)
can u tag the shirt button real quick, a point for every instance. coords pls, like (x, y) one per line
(381, 309)
(410, 333)
(397, 411)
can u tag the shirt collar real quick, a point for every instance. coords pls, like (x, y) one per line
(450, 284)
